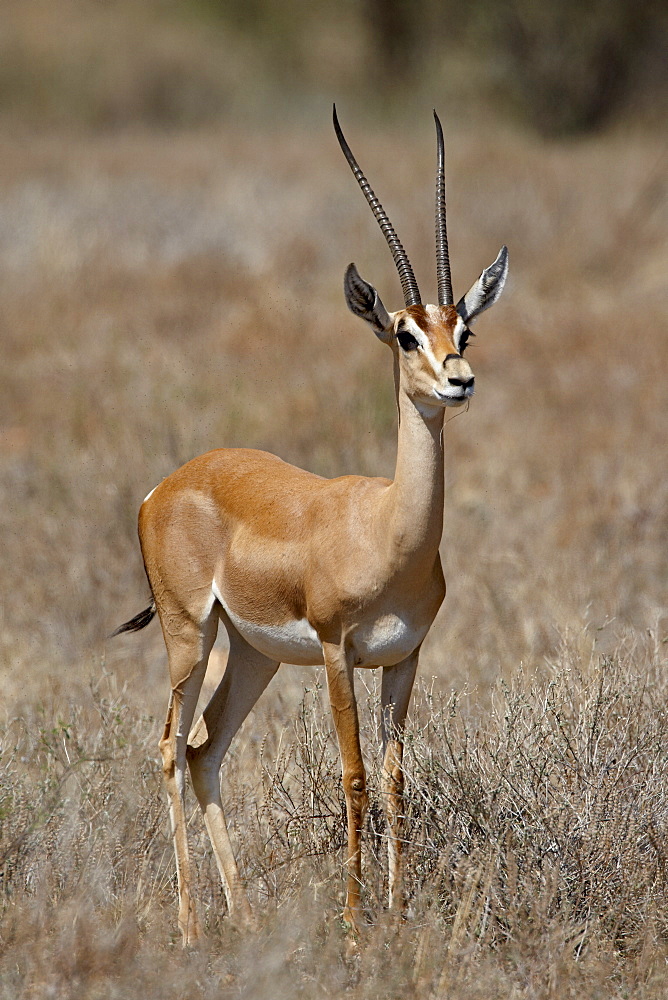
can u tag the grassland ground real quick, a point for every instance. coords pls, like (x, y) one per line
(164, 294)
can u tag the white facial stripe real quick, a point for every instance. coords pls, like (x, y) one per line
(423, 340)
(148, 495)
(460, 327)
(410, 326)
(431, 357)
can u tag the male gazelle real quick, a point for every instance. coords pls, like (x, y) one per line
(342, 572)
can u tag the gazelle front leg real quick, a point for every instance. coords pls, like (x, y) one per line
(395, 696)
(341, 689)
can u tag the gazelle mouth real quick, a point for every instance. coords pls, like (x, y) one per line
(452, 399)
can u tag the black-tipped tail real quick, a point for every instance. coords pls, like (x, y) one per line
(139, 621)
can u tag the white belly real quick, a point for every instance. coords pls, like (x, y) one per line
(294, 641)
(385, 641)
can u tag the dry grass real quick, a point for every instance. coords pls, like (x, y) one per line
(164, 295)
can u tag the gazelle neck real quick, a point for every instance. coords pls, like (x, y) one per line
(416, 496)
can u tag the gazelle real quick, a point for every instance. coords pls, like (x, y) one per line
(342, 572)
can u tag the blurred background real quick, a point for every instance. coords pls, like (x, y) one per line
(557, 68)
(175, 221)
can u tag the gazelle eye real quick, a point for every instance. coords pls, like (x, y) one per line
(464, 339)
(407, 341)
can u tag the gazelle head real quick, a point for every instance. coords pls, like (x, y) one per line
(428, 341)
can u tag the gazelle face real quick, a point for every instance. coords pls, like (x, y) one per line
(429, 342)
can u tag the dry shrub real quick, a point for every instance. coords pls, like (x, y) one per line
(556, 799)
(536, 835)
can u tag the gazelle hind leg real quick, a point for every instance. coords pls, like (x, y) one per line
(396, 689)
(188, 653)
(246, 676)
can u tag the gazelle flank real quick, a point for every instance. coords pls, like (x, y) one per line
(342, 572)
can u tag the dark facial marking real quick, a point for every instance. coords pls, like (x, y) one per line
(464, 339)
(406, 340)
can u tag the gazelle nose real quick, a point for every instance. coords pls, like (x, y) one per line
(465, 383)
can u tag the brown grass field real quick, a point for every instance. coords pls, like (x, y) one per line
(167, 293)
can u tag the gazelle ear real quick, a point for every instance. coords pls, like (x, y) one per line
(484, 292)
(364, 301)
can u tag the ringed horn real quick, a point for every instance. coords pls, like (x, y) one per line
(406, 276)
(445, 297)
